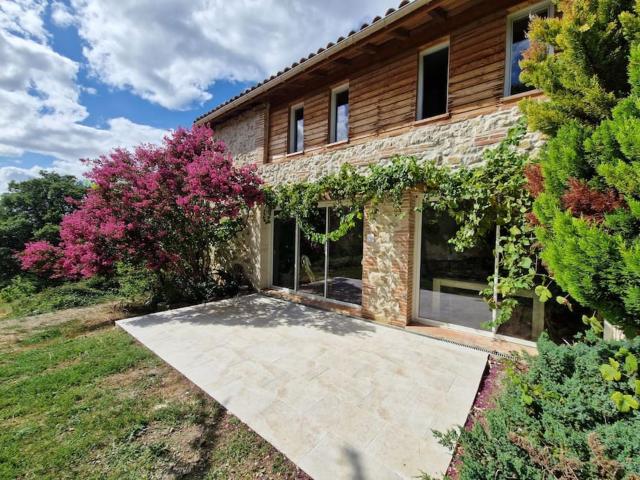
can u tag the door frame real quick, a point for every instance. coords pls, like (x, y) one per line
(296, 291)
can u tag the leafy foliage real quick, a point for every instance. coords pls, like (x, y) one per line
(163, 208)
(557, 419)
(587, 187)
(31, 211)
(59, 297)
(477, 198)
(625, 378)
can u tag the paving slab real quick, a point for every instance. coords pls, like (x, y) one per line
(343, 398)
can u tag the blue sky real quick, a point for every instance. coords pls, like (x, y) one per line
(81, 77)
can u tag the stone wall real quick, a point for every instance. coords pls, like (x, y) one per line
(387, 263)
(244, 135)
(454, 143)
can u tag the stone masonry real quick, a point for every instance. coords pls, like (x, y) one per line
(244, 136)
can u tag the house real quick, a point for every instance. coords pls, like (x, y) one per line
(437, 79)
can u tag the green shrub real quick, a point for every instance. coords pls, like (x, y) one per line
(69, 295)
(558, 418)
(135, 283)
(19, 287)
(587, 182)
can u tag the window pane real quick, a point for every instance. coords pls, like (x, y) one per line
(520, 43)
(284, 251)
(342, 116)
(450, 281)
(345, 263)
(435, 79)
(311, 267)
(299, 130)
(521, 323)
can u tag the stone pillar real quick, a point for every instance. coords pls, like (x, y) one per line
(387, 273)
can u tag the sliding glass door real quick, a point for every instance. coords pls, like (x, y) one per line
(344, 270)
(332, 270)
(311, 265)
(450, 282)
(284, 252)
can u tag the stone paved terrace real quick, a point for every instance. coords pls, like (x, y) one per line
(343, 398)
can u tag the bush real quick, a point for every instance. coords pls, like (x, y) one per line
(19, 287)
(135, 283)
(69, 295)
(587, 181)
(162, 207)
(557, 419)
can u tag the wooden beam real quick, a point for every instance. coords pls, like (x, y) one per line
(342, 61)
(318, 73)
(400, 32)
(368, 49)
(439, 14)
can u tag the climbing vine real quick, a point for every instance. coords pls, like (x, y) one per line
(478, 198)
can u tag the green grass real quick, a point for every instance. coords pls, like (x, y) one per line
(83, 400)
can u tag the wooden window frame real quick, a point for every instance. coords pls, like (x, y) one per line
(291, 135)
(420, 97)
(511, 18)
(333, 113)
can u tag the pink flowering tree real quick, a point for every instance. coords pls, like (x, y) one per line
(163, 207)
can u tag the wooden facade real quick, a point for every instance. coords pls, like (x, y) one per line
(383, 77)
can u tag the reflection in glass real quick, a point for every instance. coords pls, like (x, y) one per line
(520, 43)
(284, 252)
(342, 116)
(312, 256)
(450, 281)
(344, 280)
(520, 324)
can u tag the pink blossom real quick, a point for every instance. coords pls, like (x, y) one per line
(156, 205)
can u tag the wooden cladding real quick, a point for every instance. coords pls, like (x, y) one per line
(383, 96)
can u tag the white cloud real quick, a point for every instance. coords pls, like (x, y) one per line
(23, 17)
(61, 14)
(16, 174)
(171, 51)
(39, 100)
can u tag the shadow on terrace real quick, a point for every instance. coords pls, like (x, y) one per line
(258, 311)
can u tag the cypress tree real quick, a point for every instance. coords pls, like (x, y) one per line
(587, 63)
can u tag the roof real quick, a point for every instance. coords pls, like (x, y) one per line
(404, 8)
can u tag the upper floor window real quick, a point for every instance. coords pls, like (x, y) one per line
(518, 42)
(339, 114)
(296, 129)
(433, 87)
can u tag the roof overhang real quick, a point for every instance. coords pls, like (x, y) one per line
(313, 60)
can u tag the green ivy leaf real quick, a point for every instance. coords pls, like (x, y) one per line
(631, 364)
(526, 263)
(636, 386)
(526, 399)
(543, 293)
(610, 373)
(625, 403)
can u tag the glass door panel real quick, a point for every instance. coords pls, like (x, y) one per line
(450, 281)
(344, 271)
(284, 252)
(311, 266)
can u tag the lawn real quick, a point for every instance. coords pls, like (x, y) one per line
(80, 399)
